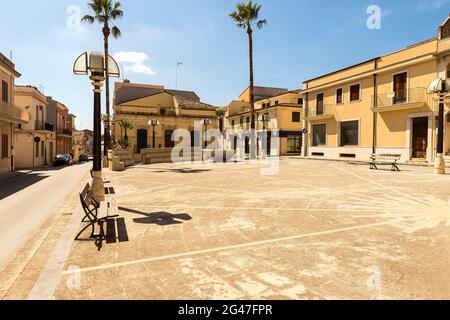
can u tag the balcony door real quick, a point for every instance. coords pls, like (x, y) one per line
(319, 105)
(400, 88)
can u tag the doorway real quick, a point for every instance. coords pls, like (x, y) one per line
(168, 143)
(141, 140)
(420, 137)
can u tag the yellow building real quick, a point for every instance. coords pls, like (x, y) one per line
(10, 114)
(35, 142)
(379, 106)
(174, 109)
(283, 112)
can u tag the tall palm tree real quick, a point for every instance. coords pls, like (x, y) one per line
(106, 12)
(246, 17)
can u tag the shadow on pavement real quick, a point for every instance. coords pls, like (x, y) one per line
(11, 186)
(158, 218)
(183, 170)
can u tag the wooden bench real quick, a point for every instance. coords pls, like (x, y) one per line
(385, 160)
(95, 213)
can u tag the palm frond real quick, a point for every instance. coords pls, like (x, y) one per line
(261, 23)
(87, 18)
(115, 31)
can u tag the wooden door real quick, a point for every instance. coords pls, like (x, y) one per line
(420, 137)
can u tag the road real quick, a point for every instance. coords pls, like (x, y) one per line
(27, 201)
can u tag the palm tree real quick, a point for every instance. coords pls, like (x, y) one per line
(246, 17)
(125, 125)
(106, 12)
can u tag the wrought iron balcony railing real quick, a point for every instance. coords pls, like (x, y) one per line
(318, 111)
(413, 96)
(41, 126)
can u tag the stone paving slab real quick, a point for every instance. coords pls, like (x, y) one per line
(315, 230)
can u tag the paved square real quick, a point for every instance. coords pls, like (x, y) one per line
(315, 230)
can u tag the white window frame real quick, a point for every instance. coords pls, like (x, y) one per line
(339, 133)
(407, 85)
(343, 99)
(350, 92)
(326, 134)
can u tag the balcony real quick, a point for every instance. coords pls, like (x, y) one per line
(415, 98)
(43, 126)
(12, 113)
(324, 112)
(64, 132)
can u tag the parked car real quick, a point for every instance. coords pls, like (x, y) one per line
(63, 159)
(84, 158)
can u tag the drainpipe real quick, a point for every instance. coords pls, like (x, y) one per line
(375, 104)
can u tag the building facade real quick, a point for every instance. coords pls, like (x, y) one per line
(283, 113)
(58, 114)
(174, 109)
(35, 142)
(84, 139)
(10, 114)
(379, 106)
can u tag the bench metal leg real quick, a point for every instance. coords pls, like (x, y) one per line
(373, 166)
(395, 168)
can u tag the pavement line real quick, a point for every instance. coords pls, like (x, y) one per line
(225, 248)
(155, 206)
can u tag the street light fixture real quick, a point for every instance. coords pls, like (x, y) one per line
(440, 89)
(154, 123)
(92, 64)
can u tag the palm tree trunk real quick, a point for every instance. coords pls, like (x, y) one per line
(252, 96)
(106, 33)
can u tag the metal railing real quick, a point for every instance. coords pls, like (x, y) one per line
(64, 131)
(317, 111)
(42, 125)
(13, 112)
(413, 95)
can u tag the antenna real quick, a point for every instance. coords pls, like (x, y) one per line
(176, 78)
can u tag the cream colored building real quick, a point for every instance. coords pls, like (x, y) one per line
(174, 109)
(35, 142)
(284, 113)
(10, 115)
(379, 106)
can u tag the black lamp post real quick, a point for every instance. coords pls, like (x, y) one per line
(440, 88)
(93, 64)
(154, 123)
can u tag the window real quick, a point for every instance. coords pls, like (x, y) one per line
(294, 144)
(300, 101)
(295, 116)
(232, 123)
(42, 148)
(162, 111)
(277, 102)
(36, 143)
(247, 120)
(339, 96)
(319, 104)
(5, 91)
(319, 135)
(400, 87)
(349, 133)
(355, 92)
(448, 71)
(5, 146)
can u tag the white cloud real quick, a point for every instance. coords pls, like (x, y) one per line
(134, 62)
(140, 68)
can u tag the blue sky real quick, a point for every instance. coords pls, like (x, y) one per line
(303, 39)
